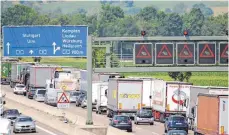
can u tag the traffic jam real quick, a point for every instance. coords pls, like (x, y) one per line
(180, 106)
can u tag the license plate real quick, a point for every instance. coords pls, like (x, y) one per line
(122, 123)
(178, 123)
(144, 119)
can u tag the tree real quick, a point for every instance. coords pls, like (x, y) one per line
(180, 8)
(110, 13)
(148, 13)
(204, 9)
(180, 76)
(129, 3)
(174, 75)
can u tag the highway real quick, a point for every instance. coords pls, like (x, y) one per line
(144, 129)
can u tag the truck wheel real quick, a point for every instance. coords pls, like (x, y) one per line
(165, 131)
(99, 110)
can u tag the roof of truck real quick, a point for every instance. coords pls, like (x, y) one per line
(212, 95)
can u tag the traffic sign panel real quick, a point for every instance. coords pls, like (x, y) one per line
(143, 53)
(223, 53)
(185, 53)
(164, 54)
(206, 53)
(63, 100)
(42, 41)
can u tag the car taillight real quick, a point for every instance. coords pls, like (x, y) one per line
(116, 121)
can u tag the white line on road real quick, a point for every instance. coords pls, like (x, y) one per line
(45, 130)
(155, 133)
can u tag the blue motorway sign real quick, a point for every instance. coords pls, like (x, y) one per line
(42, 41)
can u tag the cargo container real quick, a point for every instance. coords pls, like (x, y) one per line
(5, 72)
(16, 72)
(101, 104)
(124, 96)
(167, 100)
(212, 115)
(192, 100)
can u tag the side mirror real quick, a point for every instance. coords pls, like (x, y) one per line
(4, 102)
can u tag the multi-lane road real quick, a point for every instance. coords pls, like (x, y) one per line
(156, 129)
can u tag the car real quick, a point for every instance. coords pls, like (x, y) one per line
(5, 128)
(122, 122)
(73, 96)
(24, 124)
(11, 114)
(20, 89)
(176, 122)
(144, 116)
(31, 93)
(84, 102)
(176, 132)
(80, 99)
(39, 95)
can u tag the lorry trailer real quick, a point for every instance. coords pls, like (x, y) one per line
(212, 114)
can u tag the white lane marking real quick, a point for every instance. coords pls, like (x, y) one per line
(138, 128)
(45, 130)
(155, 133)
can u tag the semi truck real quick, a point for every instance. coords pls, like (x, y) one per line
(192, 100)
(212, 114)
(169, 98)
(124, 96)
(16, 72)
(5, 72)
(101, 104)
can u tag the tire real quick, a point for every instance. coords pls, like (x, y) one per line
(129, 130)
(187, 131)
(136, 123)
(152, 123)
(165, 131)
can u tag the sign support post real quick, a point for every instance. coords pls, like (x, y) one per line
(89, 81)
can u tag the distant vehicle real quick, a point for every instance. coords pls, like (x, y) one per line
(176, 122)
(31, 93)
(84, 102)
(24, 124)
(51, 96)
(19, 89)
(122, 122)
(144, 116)
(176, 132)
(73, 96)
(80, 99)
(101, 104)
(11, 114)
(40, 95)
(5, 128)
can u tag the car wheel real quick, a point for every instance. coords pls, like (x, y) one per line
(34, 131)
(129, 130)
(136, 123)
(187, 131)
(165, 131)
(152, 123)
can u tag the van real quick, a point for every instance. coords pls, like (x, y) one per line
(5, 126)
(51, 96)
(39, 95)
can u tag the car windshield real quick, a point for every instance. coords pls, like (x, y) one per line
(122, 118)
(146, 113)
(26, 119)
(41, 92)
(32, 91)
(20, 86)
(178, 118)
(12, 112)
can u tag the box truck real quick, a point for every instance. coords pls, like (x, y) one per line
(17, 70)
(192, 100)
(124, 96)
(212, 114)
(169, 98)
(101, 104)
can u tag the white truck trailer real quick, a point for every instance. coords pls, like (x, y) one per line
(169, 98)
(102, 90)
(124, 96)
(192, 100)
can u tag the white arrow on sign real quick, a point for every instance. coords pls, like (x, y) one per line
(54, 48)
(4, 69)
(31, 52)
(8, 47)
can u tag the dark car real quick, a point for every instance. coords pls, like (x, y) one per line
(79, 99)
(11, 114)
(31, 93)
(176, 132)
(176, 122)
(122, 122)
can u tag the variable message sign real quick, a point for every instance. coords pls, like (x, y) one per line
(143, 53)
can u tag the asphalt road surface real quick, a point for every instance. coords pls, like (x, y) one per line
(42, 130)
(144, 129)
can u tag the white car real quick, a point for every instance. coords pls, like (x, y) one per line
(19, 89)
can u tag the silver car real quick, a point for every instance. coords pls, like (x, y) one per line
(11, 114)
(24, 124)
(144, 116)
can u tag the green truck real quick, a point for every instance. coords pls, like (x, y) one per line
(5, 72)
